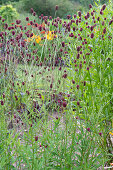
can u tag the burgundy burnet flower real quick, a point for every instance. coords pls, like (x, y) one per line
(17, 120)
(98, 18)
(103, 7)
(87, 68)
(16, 97)
(40, 17)
(36, 138)
(73, 81)
(64, 104)
(27, 18)
(84, 83)
(31, 34)
(79, 13)
(46, 146)
(88, 129)
(14, 116)
(31, 22)
(92, 13)
(56, 117)
(85, 17)
(68, 16)
(110, 22)
(2, 102)
(3, 95)
(23, 83)
(92, 35)
(34, 13)
(31, 10)
(101, 12)
(18, 22)
(104, 30)
(27, 92)
(65, 75)
(78, 103)
(5, 25)
(88, 15)
(51, 85)
(81, 29)
(91, 28)
(90, 6)
(74, 15)
(50, 18)
(13, 32)
(56, 7)
(77, 86)
(63, 44)
(100, 133)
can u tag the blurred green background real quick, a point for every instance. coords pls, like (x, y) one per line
(47, 7)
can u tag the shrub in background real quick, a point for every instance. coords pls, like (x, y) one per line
(47, 7)
(7, 1)
(8, 12)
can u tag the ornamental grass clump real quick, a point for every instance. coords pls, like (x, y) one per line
(56, 93)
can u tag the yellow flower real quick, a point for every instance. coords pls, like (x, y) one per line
(38, 39)
(50, 35)
(111, 133)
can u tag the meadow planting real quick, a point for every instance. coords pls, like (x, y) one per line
(56, 90)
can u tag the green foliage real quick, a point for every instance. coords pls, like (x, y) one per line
(85, 3)
(7, 1)
(8, 12)
(47, 7)
(78, 134)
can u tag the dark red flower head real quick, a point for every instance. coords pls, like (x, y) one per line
(65, 76)
(78, 103)
(90, 6)
(23, 83)
(36, 138)
(110, 22)
(64, 104)
(92, 35)
(32, 10)
(27, 18)
(79, 13)
(74, 15)
(100, 133)
(34, 13)
(103, 7)
(88, 129)
(63, 44)
(56, 8)
(2, 103)
(51, 85)
(73, 81)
